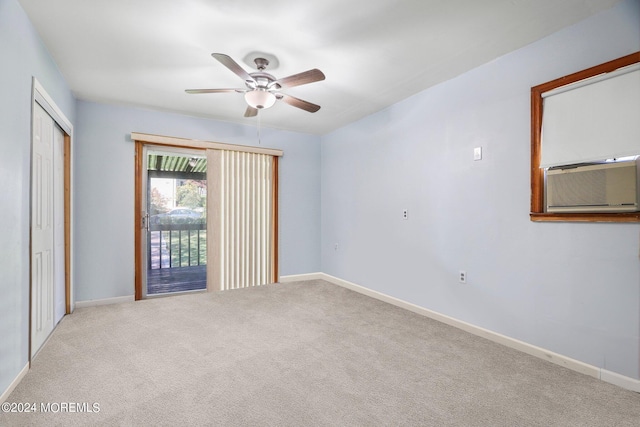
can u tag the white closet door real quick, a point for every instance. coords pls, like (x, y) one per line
(42, 244)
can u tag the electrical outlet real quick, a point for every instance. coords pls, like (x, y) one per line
(463, 276)
(405, 214)
(335, 247)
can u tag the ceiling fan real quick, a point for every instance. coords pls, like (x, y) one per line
(262, 89)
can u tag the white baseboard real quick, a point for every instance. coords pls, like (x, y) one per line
(14, 383)
(620, 380)
(105, 301)
(567, 362)
(301, 277)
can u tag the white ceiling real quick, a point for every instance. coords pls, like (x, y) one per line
(373, 52)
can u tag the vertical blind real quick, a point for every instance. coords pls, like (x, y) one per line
(594, 119)
(242, 226)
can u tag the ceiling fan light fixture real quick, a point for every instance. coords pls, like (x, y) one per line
(260, 99)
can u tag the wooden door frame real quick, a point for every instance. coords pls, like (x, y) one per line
(67, 223)
(137, 218)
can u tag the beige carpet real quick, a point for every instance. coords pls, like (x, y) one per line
(297, 354)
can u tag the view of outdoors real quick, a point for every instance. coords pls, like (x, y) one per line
(177, 223)
(177, 236)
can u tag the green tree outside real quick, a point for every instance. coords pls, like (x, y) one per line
(191, 194)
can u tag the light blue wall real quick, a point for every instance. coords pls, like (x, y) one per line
(23, 56)
(571, 288)
(104, 192)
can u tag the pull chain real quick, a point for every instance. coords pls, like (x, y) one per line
(259, 140)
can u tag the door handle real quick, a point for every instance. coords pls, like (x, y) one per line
(145, 221)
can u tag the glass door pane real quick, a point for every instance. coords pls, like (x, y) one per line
(177, 231)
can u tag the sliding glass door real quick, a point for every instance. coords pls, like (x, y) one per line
(175, 220)
(206, 216)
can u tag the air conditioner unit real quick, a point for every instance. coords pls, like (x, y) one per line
(601, 187)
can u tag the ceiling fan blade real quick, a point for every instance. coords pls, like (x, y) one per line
(251, 112)
(299, 103)
(194, 91)
(233, 66)
(303, 78)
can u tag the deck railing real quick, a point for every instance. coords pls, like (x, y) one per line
(177, 245)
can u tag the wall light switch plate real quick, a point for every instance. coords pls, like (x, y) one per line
(477, 153)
